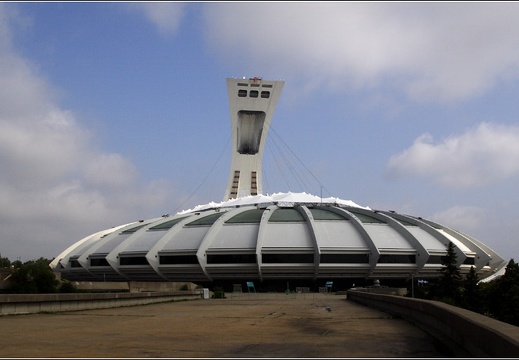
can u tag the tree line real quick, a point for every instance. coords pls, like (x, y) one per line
(498, 298)
(32, 277)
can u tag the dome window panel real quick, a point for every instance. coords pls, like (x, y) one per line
(232, 259)
(321, 214)
(469, 261)
(286, 215)
(287, 258)
(206, 220)
(133, 260)
(177, 259)
(75, 264)
(397, 259)
(366, 219)
(247, 217)
(134, 229)
(98, 262)
(345, 258)
(435, 259)
(167, 224)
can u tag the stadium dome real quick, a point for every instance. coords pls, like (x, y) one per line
(249, 236)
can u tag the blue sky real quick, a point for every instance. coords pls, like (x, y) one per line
(111, 112)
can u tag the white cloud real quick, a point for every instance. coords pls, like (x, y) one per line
(166, 16)
(468, 218)
(56, 184)
(482, 155)
(432, 51)
(111, 170)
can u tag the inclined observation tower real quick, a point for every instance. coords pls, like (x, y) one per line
(252, 103)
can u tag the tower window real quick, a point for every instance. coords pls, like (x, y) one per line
(253, 93)
(242, 93)
(265, 94)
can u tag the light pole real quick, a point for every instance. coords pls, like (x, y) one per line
(412, 285)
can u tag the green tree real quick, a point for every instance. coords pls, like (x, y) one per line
(449, 287)
(33, 277)
(5, 263)
(472, 298)
(503, 295)
(67, 287)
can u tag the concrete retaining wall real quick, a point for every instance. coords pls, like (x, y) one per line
(12, 304)
(464, 332)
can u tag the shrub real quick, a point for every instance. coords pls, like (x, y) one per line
(218, 292)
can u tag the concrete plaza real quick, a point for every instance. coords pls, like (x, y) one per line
(241, 325)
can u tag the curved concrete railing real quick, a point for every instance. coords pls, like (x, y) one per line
(464, 332)
(12, 304)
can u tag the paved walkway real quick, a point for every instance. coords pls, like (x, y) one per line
(244, 325)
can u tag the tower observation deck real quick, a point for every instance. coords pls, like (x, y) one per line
(252, 103)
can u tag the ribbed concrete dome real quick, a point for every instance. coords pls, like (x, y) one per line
(284, 236)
